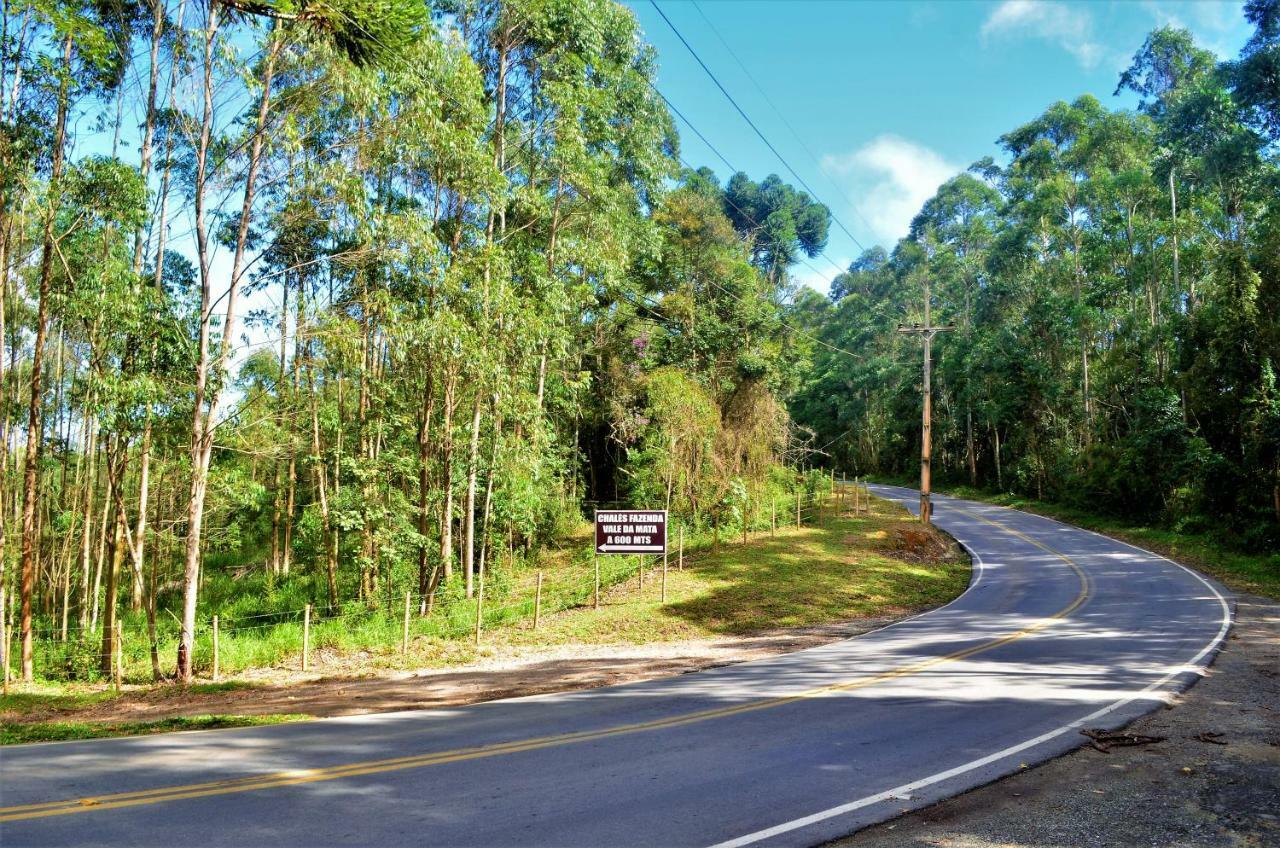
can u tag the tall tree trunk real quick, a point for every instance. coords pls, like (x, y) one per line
(4, 406)
(995, 432)
(35, 435)
(199, 477)
(469, 513)
(427, 576)
(149, 125)
(101, 558)
(152, 641)
(322, 492)
(489, 480)
(446, 471)
(140, 532)
(115, 550)
(204, 420)
(86, 523)
(277, 509)
(1173, 218)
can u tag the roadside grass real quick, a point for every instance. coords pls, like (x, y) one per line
(839, 566)
(16, 733)
(1257, 574)
(52, 697)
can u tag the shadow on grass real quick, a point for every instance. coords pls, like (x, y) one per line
(16, 733)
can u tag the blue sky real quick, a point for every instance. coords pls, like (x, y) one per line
(889, 99)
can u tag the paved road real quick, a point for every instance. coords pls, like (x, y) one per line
(1060, 629)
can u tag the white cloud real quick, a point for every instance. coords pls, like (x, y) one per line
(1070, 28)
(890, 178)
(1217, 26)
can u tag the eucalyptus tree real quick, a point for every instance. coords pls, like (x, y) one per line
(84, 60)
(365, 32)
(960, 218)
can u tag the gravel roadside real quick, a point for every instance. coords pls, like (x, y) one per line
(1182, 792)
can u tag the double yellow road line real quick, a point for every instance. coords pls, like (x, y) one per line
(301, 776)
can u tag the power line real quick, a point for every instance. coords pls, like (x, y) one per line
(750, 122)
(690, 125)
(782, 117)
(729, 165)
(781, 320)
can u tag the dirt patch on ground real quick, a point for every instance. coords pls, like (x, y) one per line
(505, 672)
(919, 544)
(1187, 790)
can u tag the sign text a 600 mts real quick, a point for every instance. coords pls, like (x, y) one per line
(626, 531)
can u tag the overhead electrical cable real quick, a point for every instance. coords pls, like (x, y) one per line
(750, 122)
(781, 117)
(729, 165)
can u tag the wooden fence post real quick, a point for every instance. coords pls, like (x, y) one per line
(595, 556)
(404, 635)
(797, 509)
(680, 560)
(537, 604)
(640, 574)
(119, 653)
(306, 638)
(664, 577)
(216, 655)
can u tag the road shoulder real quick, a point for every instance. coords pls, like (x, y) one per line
(1187, 790)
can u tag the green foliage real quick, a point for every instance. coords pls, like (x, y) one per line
(1106, 354)
(778, 222)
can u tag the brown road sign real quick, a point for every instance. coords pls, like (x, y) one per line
(626, 531)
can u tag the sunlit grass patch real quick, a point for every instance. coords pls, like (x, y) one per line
(835, 569)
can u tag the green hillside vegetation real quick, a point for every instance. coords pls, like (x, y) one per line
(1114, 285)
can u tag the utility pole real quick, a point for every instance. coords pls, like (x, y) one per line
(926, 331)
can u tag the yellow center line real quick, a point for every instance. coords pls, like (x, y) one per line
(302, 776)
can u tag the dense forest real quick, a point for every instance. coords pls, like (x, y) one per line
(1114, 286)
(360, 296)
(325, 300)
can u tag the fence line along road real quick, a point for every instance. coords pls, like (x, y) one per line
(458, 622)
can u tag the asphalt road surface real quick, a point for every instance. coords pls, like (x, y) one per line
(1060, 630)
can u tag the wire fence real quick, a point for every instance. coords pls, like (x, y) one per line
(293, 637)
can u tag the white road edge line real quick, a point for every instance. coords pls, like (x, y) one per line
(1192, 665)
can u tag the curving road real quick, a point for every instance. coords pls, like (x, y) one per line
(1059, 630)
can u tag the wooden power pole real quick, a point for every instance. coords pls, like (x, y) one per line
(926, 331)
